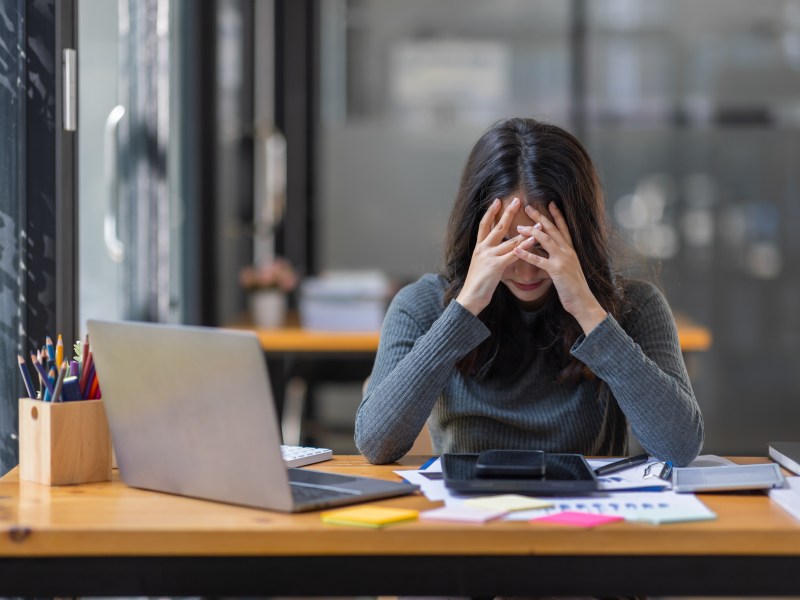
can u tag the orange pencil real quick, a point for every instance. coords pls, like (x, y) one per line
(94, 391)
(59, 351)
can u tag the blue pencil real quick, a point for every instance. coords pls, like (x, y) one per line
(49, 393)
(42, 374)
(51, 351)
(26, 377)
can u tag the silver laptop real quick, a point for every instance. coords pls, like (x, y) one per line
(191, 412)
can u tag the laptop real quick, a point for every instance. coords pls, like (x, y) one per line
(564, 475)
(191, 412)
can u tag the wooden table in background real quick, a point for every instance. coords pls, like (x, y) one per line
(111, 540)
(693, 337)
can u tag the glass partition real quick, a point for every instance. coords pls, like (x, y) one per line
(690, 109)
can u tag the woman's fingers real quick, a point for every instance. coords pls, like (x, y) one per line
(500, 230)
(547, 226)
(485, 226)
(558, 217)
(524, 252)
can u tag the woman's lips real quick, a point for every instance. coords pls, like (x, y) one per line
(528, 287)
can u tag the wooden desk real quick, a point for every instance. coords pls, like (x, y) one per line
(692, 336)
(109, 539)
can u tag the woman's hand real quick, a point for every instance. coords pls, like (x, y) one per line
(490, 258)
(562, 265)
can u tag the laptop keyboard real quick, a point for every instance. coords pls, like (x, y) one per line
(299, 456)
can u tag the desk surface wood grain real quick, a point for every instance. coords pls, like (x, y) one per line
(116, 520)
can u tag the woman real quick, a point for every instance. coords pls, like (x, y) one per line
(528, 339)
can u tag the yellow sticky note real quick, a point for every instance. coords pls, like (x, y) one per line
(508, 502)
(368, 516)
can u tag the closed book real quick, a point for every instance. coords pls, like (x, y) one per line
(786, 454)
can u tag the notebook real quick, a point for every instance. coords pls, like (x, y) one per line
(786, 454)
(191, 412)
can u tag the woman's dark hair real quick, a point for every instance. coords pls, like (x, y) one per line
(543, 163)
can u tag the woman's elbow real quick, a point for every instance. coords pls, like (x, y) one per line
(692, 443)
(374, 449)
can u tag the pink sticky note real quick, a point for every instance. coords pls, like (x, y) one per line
(577, 519)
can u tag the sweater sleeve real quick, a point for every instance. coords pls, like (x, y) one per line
(645, 372)
(415, 359)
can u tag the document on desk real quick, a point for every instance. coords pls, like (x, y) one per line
(656, 508)
(642, 477)
(429, 479)
(788, 498)
(635, 479)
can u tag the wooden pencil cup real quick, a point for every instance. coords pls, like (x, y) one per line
(63, 443)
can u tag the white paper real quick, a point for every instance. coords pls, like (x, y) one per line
(628, 479)
(433, 489)
(788, 498)
(660, 507)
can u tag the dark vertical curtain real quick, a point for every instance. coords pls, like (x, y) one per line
(12, 215)
(27, 197)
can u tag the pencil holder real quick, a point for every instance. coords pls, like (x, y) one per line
(63, 443)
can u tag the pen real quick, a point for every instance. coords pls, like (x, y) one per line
(620, 465)
(428, 463)
(26, 377)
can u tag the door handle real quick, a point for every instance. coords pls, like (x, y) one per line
(114, 246)
(274, 180)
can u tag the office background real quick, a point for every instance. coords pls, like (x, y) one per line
(333, 132)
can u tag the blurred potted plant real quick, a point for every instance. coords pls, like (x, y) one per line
(268, 287)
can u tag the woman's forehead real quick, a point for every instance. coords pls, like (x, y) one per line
(539, 205)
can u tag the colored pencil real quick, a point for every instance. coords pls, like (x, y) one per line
(87, 367)
(59, 351)
(52, 375)
(50, 348)
(42, 373)
(84, 353)
(62, 373)
(26, 377)
(94, 390)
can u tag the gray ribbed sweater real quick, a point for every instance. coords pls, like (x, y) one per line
(415, 379)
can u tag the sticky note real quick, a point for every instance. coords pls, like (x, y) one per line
(368, 516)
(578, 519)
(507, 502)
(462, 514)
